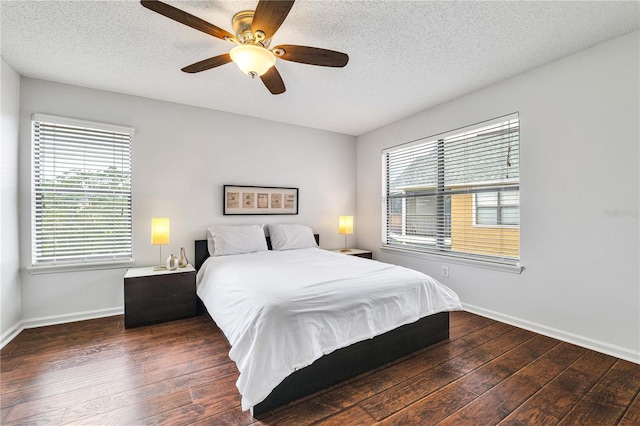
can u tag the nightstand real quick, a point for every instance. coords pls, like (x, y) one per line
(152, 296)
(366, 254)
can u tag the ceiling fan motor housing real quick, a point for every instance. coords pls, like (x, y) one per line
(241, 23)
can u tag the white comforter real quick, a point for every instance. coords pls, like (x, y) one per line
(282, 310)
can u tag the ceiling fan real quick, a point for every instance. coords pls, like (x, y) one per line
(253, 33)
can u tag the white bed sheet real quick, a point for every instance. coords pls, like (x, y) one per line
(282, 310)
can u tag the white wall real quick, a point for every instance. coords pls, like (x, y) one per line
(579, 161)
(181, 158)
(10, 305)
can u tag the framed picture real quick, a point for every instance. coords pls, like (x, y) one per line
(239, 199)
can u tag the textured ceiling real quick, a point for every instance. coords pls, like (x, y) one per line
(405, 56)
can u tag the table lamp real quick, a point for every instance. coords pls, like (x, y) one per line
(159, 236)
(345, 226)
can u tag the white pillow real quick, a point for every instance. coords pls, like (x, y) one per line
(289, 237)
(235, 239)
(211, 245)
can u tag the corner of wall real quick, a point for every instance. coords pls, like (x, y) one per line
(10, 289)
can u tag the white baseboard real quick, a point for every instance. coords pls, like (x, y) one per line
(585, 342)
(78, 316)
(10, 334)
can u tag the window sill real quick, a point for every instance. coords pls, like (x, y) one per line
(77, 267)
(513, 269)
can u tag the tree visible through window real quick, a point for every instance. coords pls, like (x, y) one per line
(438, 190)
(81, 191)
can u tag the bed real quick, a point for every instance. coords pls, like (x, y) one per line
(312, 368)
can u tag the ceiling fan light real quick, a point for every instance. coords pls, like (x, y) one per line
(252, 60)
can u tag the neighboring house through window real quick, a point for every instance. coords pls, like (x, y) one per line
(497, 208)
(457, 193)
(81, 192)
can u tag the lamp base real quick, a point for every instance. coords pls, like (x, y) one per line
(160, 266)
(345, 249)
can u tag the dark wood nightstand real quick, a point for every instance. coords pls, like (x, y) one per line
(156, 296)
(366, 254)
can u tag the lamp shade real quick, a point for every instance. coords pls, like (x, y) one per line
(159, 230)
(345, 225)
(251, 59)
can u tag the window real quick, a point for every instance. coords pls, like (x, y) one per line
(81, 192)
(456, 194)
(497, 208)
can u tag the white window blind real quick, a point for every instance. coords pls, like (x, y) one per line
(456, 193)
(81, 191)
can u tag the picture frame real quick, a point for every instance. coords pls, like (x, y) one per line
(260, 200)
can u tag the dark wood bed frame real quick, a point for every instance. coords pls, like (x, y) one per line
(351, 361)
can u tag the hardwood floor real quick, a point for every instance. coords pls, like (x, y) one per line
(95, 372)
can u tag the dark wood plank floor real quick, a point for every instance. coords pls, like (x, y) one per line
(95, 372)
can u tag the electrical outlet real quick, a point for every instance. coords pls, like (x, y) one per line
(445, 271)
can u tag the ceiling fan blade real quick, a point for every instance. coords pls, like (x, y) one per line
(185, 18)
(207, 64)
(273, 81)
(269, 15)
(312, 55)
